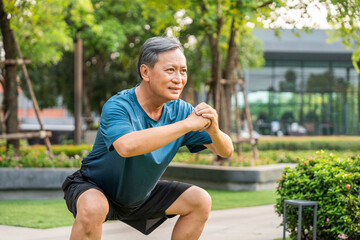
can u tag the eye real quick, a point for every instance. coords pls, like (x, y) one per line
(170, 70)
(183, 71)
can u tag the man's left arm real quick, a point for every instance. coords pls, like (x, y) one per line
(221, 143)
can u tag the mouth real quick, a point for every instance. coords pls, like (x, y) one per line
(175, 89)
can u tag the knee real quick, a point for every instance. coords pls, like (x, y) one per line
(202, 202)
(91, 214)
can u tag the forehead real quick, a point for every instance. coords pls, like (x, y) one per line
(172, 57)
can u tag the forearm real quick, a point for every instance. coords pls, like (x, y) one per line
(151, 139)
(221, 144)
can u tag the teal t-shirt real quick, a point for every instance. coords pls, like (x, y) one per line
(129, 181)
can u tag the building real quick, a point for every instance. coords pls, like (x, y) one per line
(307, 86)
(57, 119)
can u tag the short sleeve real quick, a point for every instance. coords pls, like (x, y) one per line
(114, 123)
(195, 141)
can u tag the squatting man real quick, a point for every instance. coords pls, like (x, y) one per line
(140, 131)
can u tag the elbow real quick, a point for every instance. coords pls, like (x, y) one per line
(229, 152)
(123, 153)
(122, 148)
(226, 153)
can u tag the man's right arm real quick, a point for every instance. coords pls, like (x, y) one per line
(148, 140)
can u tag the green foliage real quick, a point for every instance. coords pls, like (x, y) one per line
(331, 181)
(40, 28)
(111, 45)
(250, 51)
(69, 156)
(338, 143)
(204, 21)
(344, 18)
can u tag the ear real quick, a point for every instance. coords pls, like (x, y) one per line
(145, 72)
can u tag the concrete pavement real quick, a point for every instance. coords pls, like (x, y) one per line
(251, 223)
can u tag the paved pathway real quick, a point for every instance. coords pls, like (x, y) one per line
(252, 223)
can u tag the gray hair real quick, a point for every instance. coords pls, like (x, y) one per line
(153, 46)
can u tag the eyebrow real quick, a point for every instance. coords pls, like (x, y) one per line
(175, 65)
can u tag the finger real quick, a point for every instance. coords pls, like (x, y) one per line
(210, 116)
(201, 106)
(206, 126)
(213, 119)
(205, 111)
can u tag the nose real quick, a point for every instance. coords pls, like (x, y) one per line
(177, 78)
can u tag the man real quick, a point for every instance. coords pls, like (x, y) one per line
(140, 131)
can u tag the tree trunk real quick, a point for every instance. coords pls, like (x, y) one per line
(11, 85)
(87, 96)
(215, 71)
(226, 113)
(215, 85)
(214, 38)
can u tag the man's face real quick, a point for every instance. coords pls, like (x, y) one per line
(169, 75)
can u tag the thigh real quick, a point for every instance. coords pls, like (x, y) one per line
(164, 194)
(76, 186)
(192, 199)
(151, 214)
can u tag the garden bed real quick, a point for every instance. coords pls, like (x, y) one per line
(45, 183)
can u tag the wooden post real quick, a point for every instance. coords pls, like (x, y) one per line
(41, 134)
(33, 98)
(78, 88)
(15, 61)
(248, 117)
(237, 121)
(3, 115)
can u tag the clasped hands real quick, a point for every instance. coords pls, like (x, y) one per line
(204, 117)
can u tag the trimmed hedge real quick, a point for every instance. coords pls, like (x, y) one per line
(331, 181)
(338, 143)
(38, 157)
(68, 150)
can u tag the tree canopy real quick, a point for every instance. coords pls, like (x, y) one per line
(216, 35)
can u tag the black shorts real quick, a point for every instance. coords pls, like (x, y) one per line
(145, 217)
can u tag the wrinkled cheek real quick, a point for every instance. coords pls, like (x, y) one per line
(184, 81)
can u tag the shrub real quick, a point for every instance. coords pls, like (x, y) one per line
(39, 157)
(335, 184)
(69, 150)
(339, 143)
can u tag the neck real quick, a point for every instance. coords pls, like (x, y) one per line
(151, 105)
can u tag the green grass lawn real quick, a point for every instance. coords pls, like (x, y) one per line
(35, 214)
(54, 213)
(227, 199)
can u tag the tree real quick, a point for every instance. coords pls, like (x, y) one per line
(110, 56)
(227, 26)
(340, 18)
(215, 34)
(110, 52)
(9, 82)
(43, 34)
